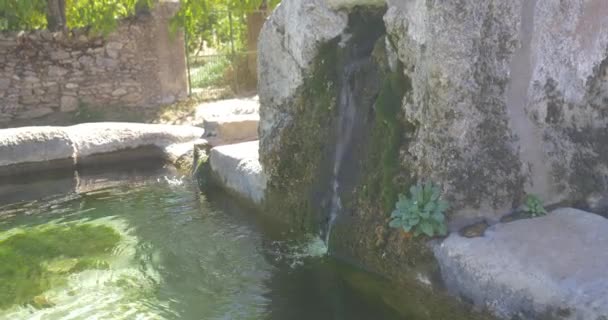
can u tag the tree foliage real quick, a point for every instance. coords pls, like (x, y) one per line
(22, 14)
(100, 15)
(209, 21)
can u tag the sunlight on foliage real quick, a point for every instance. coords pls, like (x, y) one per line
(208, 21)
(100, 15)
(22, 14)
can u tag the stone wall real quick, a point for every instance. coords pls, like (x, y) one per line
(138, 65)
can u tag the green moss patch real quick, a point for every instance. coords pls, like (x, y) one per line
(38, 258)
(294, 171)
(382, 167)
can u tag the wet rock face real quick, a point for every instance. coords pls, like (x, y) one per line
(289, 42)
(499, 99)
(510, 99)
(458, 55)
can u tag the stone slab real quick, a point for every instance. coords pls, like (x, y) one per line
(34, 144)
(232, 129)
(236, 167)
(553, 266)
(104, 137)
(30, 149)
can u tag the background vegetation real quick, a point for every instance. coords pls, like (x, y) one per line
(205, 21)
(209, 21)
(100, 15)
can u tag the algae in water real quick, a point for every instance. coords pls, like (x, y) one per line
(39, 258)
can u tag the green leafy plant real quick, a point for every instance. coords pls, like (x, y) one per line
(533, 206)
(422, 212)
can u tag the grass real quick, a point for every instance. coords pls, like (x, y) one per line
(210, 73)
(38, 258)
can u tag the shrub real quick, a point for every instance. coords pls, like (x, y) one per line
(422, 213)
(533, 206)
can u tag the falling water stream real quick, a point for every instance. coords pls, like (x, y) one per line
(347, 112)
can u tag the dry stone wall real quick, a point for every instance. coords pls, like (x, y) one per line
(140, 64)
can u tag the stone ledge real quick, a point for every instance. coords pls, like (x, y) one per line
(236, 167)
(553, 266)
(232, 129)
(33, 148)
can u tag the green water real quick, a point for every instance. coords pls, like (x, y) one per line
(145, 244)
(158, 249)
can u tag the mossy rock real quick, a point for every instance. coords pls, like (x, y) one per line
(295, 169)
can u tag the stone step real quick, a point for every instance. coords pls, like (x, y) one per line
(231, 129)
(237, 169)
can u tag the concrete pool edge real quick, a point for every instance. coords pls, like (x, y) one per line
(33, 149)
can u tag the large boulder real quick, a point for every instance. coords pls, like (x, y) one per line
(510, 97)
(489, 100)
(553, 266)
(505, 97)
(288, 44)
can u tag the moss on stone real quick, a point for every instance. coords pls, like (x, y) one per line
(382, 168)
(295, 169)
(38, 258)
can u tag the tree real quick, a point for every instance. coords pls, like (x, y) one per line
(55, 15)
(209, 21)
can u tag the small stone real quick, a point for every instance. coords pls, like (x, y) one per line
(132, 97)
(474, 230)
(5, 83)
(29, 99)
(59, 55)
(119, 92)
(86, 61)
(68, 104)
(71, 86)
(31, 79)
(113, 45)
(35, 113)
(55, 71)
(106, 62)
(112, 53)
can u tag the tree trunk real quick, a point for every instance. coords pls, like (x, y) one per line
(255, 21)
(55, 15)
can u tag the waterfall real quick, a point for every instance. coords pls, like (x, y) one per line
(347, 112)
(358, 80)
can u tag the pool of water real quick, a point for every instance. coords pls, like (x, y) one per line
(154, 247)
(145, 243)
